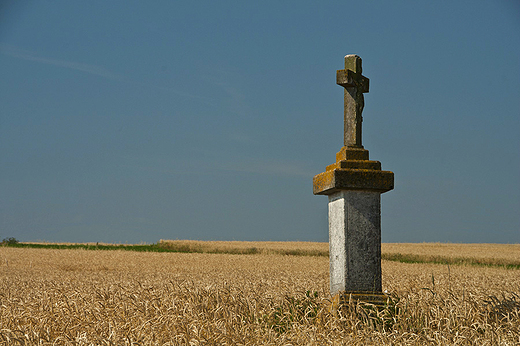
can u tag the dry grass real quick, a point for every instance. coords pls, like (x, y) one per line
(448, 253)
(483, 251)
(79, 297)
(485, 254)
(300, 248)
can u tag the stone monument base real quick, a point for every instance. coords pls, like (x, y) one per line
(354, 185)
(355, 241)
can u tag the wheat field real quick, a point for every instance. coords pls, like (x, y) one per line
(80, 297)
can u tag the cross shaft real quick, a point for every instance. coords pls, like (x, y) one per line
(355, 86)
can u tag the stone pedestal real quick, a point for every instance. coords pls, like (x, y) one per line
(355, 241)
(354, 185)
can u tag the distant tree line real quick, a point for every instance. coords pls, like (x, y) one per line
(9, 241)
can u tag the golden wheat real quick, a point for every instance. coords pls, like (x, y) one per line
(448, 253)
(248, 247)
(506, 253)
(79, 297)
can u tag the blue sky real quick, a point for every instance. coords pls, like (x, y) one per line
(134, 121)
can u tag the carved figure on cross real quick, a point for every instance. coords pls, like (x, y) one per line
(355, 86)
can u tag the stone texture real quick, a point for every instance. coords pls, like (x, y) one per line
(355, 241)
(353, 170)
(353, 179)
(355, 85)
(349, 153)
(355, 164)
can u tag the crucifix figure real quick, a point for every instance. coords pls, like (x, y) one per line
(355, 86)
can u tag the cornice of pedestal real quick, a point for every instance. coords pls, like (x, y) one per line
(353, 171)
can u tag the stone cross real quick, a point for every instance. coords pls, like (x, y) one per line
(355, 85)
(354, 185)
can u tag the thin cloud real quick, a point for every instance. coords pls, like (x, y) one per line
(161, 165)
(91, 69)
(269, 168)
(27, 55)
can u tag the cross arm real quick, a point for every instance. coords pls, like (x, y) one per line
(348, 78)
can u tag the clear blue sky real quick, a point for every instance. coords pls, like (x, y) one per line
(129, 121)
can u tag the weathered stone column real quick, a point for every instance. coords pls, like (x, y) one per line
(354, 185)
